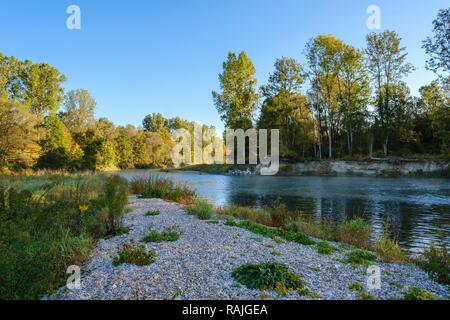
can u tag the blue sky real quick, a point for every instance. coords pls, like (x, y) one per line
(138, 57)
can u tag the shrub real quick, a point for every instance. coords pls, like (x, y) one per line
(167, 235)
(200, 208)
(159, 187)
(50, 222)
(418, 294)
(325, 248)
(279, 215)
(268, 276)
(436, 262)
(134, 255)
(152, 213)
(355, 232)
(388, 250)
(359, 256)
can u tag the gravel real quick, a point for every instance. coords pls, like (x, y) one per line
(198, 266)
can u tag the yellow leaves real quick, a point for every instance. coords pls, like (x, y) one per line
(83, 208)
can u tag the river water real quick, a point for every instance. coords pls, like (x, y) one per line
(416, 210)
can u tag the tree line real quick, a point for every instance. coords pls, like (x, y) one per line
(356, 102)
(43, 127)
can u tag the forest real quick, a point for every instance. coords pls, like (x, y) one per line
(343, 103)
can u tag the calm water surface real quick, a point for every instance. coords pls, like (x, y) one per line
(417, 210)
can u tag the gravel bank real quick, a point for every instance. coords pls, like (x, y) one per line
(199, 264)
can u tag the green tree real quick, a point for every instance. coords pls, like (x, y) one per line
(238, 97)
(438, 46)
(354, 93)
(387, 66)
(42, 89)
(324, 56)
(78, 113)
(155, 122)
(59, 150)
(19, 147)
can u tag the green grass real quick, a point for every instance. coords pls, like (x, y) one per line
(268, 276)
(134, 254)
(355, 232)
(359, 256)
(389, 251)
(269, 232)
(50, 222)
(152, 213)
(325, 248)
(202, 209)
(418, 294)
(165, 236)
(363, 295)
(163, 188)
(436, 262)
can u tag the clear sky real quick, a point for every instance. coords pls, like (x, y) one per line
(138, 57)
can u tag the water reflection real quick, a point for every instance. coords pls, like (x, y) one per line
(416, 210)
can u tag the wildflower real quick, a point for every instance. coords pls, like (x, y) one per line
(83, 208)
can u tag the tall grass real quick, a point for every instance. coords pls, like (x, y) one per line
(164, 188)
(49, 223)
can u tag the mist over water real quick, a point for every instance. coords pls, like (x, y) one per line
(417, 210)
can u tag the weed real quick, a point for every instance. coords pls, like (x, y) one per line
(388, 250)
(418, 294)
(268, 276)
(167, 235)
(359, 256)
(325, 248)
(159, 187)
(355, 232)
(436, 261)
(201, 208)
(134, 255)
(152, 213)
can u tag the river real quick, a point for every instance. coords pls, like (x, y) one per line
(416, 210)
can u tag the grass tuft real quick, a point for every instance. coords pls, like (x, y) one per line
(325, 248)
(167, 235)
(200, 208)
(359, 256)
(389, 251)
(134, 255)
(152, 213)
(163, 188)
(418, 294)
(271, 276)
(355, 232)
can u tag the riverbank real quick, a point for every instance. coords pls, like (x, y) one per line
(199, 265)
(369, 168)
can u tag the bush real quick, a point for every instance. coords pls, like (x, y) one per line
(50, 222)
(355, 232)
(200, 208)
(436, 262)
(359, 256)
(268, 276)
(388, 250)
(134, 255)
(163, 188)
(167, 235)
(418, 294)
